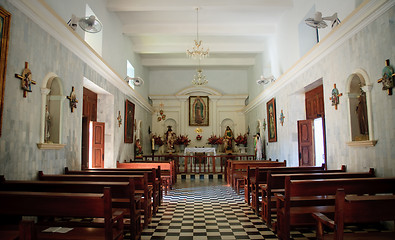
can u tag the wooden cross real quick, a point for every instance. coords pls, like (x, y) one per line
(27, 80)
(73, 99)
(119, 118)
(388, 77)
(335, 96)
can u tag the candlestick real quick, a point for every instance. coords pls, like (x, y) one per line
(153, 144)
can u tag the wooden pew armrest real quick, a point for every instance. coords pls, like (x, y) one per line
(323, 219)
(117, 216)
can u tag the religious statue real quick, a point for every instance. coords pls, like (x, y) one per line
(170, 137)
(139, 149)
(47, 125)
(258, 146)
(228, 137)
(335, 96)
(361, 111)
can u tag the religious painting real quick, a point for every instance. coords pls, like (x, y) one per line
(129, 122)
(271, 120)
(198, 111)
(5, 18)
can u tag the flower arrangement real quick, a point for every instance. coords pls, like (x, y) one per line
(182, 140)
(241, 139)
(157, 140)
(213, 139)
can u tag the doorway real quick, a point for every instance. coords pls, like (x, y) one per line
(92, 152)
(311, 132)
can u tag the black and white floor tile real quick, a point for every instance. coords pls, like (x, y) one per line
(205, 210)
(197, 209)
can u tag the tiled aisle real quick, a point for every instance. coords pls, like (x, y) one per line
(205, 209)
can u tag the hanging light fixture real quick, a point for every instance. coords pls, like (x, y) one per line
(199, 78)
(197, 50)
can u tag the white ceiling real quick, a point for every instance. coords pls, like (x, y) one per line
(234, 30)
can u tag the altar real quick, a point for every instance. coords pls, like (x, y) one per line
(200, 150)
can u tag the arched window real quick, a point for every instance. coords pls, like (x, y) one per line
(51, 113)
(360, 112)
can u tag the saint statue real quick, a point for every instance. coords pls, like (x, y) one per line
(47, 125)
(361, 110)
(139, 149)
(228, 137)
(258, 146)
(170, 137)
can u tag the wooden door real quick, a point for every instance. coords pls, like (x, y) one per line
(85, 144)
(306, 143)
(98, 145)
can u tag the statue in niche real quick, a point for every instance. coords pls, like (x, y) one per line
(170, 137)
(228, 137)
(361, 111)
(258, 146)
(47, 127)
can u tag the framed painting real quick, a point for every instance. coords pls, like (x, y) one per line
(198, 111)
(129, 121)
(271, 120)
(5, 18)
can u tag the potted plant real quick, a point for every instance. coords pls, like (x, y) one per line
(182, 141)
(241, 140)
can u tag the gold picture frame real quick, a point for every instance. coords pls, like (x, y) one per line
(271, 120)
(198, 111)
(5, 18)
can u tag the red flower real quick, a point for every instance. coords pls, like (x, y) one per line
(241, 139)
(213, 139)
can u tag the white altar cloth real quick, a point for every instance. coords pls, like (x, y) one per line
(200, 150)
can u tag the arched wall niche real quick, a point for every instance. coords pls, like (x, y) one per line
(52, 99)
(359, 89)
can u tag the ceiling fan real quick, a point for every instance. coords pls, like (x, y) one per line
(89, 24)
(137, 81)
(266, 80)
(319, 22)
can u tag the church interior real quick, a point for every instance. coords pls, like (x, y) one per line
(208, 91)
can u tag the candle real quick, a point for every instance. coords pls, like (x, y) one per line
(153, 144)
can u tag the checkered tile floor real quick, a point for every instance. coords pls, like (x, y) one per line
(205, 210)
(197, 209)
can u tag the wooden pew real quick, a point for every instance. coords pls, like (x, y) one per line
(238, 168)
(256, 176)
(357, 209)
(122, 193)
(44, 204)
(140, 189)
(168, 168)
(303, 197)
(276, 184)
(153, 179)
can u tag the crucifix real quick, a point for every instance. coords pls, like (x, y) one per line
(73, 99)
(27, 80)
(119, 118)
(282, 118)
(388, 77)
(335, 96)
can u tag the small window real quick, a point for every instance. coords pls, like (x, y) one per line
(95, 40)
(130, 72)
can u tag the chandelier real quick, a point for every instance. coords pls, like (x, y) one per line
(199, 78)
(197, 52)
